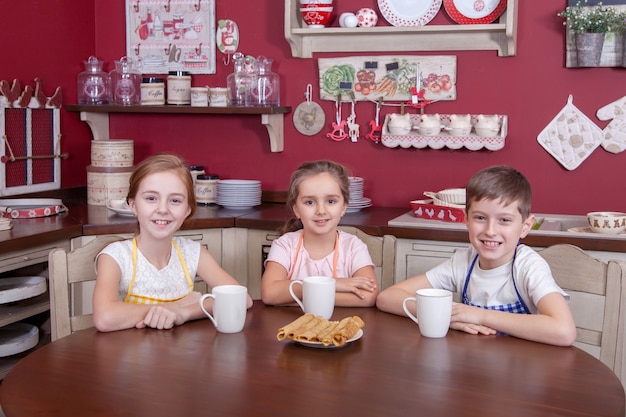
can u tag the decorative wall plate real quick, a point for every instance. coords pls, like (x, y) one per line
(474, 11)
(409, 12)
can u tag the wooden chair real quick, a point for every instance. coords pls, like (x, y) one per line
(68, 272)
(382, 249)
(598, 302)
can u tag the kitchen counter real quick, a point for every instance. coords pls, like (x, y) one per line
(83, 219)
(555, 228)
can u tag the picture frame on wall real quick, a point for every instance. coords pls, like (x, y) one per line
(171, 35)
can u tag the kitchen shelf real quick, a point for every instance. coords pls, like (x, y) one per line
(500, 36)
(97, 117)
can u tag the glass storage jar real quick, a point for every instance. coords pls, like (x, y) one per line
(126, 82)
(94, 85)
(265, 88)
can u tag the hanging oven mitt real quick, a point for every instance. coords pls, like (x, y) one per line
(570, 137)
(615, 132)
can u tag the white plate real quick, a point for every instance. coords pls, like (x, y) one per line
(120, 207)
(474, 11)
(409, 12)
(320, 345)
(238, 182)
(21, 288)
(236, 207)
(356, 209)
(17, 338)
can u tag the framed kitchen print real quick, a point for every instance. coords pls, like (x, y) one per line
(171, 35)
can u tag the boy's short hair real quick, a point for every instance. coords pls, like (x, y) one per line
(500, 182)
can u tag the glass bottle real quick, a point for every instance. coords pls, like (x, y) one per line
(265, 90)
(94, 85)
(126, 82)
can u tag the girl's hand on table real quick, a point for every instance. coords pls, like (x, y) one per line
(356, 285)
(168, 315)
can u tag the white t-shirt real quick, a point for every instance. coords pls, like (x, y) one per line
(169, 283)
(533, 279)
(353, 255)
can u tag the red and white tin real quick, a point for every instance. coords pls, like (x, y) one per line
(104, 184)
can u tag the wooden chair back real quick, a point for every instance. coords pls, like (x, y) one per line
(382, 249)
(597, 299)
(68, 272)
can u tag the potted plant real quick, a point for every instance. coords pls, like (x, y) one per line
(590, 24)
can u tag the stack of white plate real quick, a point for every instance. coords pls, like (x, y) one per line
(238, 194)
(357, 201)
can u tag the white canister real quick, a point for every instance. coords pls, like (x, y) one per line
(152, 91)
(112, 153)
(104, 184)
(206, 189)
(218, 97)
(179, 87)
(199, 96)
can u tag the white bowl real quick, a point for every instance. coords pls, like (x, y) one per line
(607, 222)
(452, 195)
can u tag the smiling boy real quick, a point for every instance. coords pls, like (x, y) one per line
(502, 285)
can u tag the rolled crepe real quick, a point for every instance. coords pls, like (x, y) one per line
(346, 330)
(311, 334)
(288, 329)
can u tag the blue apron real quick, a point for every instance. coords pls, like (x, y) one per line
(518, 307)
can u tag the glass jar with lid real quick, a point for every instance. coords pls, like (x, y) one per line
(265, 88)
(94, 85)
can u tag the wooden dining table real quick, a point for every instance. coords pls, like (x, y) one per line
(192, 370)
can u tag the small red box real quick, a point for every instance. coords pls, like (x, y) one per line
(425, 209)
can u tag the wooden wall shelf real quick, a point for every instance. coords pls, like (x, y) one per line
(97, 117)
(500, 36)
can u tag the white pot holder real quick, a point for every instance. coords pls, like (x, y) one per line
(570, 137)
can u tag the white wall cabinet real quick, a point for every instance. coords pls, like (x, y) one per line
(500, 36)
(415, 257)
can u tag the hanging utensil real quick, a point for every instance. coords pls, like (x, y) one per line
(353, 127)
(309, 118)
(375, 127)
(227, 38)
(338, 133)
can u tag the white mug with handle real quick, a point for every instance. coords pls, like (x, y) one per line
(434, 308)
(318, 295)
(230, 304)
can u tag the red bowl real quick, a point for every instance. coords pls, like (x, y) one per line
(317, 17)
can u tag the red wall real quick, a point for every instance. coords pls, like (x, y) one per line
(51, 38)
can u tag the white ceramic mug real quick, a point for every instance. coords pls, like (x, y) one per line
(229, 307)
(434, 308)
(318, 295)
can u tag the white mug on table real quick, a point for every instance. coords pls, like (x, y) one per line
(318, 295)
(230, 304)
(434, 308)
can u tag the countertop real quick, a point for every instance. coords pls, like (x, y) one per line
(82, 219)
